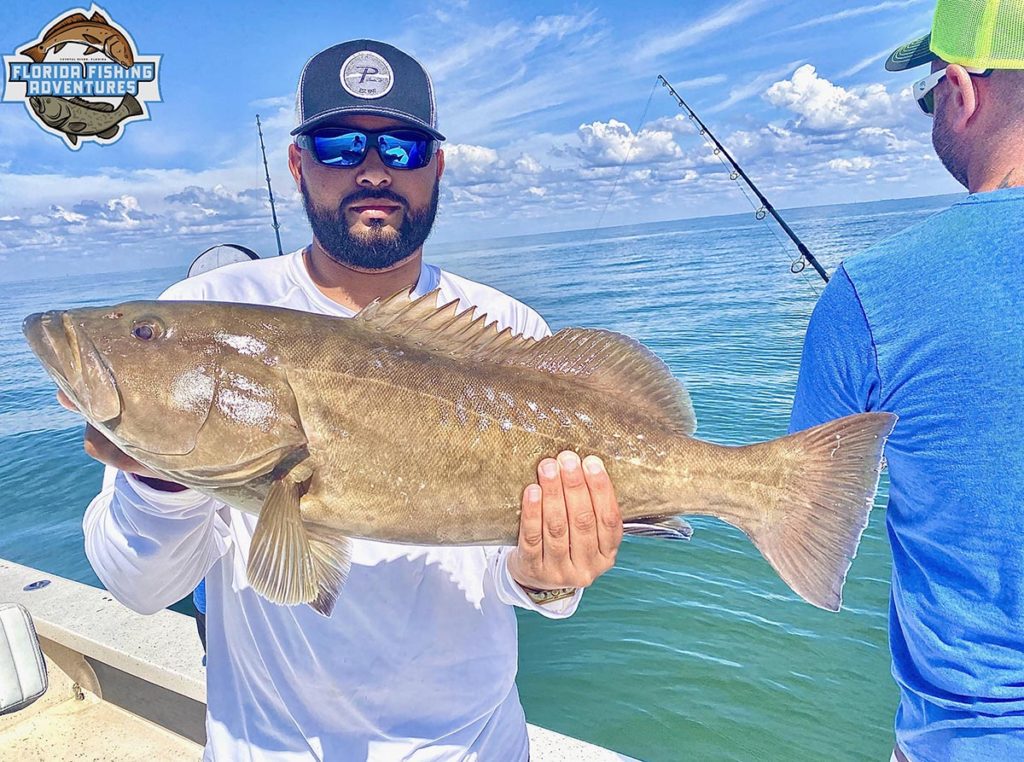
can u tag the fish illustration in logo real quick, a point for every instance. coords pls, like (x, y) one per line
(94, 31)
(76, 116)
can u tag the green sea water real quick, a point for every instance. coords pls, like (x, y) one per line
(684, 650)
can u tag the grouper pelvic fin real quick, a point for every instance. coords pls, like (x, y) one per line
(671, 528)
(600, 359)
(291, 562)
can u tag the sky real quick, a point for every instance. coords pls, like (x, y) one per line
(552, 111)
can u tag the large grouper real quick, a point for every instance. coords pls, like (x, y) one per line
(411, 423)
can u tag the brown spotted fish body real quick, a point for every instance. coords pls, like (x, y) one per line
(95, 32)
(413, 424)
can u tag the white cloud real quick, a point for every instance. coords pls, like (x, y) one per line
(695, 32)
(116, 213)
(61, 214)
(850, 13)
(468, 164)
(852, 165)
(527, 165)
(612, 143)
(770, 140)
(822, 105)
(562, 26)
(865, 62)
(752, 87)
(690, 84)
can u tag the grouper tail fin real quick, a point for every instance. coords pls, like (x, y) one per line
(808, 525)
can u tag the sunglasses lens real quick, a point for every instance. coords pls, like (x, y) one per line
(339, 149)
(927, 102)
(404, 150)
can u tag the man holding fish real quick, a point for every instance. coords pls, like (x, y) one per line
(418, 658)
(928, 325)
(306, 439)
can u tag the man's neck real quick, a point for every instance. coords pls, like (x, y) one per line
(1001, 170)
(353, 288)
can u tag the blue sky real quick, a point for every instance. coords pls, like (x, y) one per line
(540, 101)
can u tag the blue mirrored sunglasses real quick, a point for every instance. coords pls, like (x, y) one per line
(341, 147)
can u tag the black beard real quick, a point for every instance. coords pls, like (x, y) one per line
(949, 149)
(380, 248)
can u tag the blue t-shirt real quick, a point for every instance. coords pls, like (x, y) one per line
(199, 597)
(930, 325)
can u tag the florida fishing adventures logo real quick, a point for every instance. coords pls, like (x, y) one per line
(82, 79)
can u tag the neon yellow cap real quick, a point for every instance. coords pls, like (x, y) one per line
(981, 34)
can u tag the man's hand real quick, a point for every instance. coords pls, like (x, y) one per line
(102, 449)
(570, 529)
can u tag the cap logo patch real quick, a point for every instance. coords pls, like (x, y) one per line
(367, 75)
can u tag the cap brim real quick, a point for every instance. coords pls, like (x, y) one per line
(915, 53)
(334, 115)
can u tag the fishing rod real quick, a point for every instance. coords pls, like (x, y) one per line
(766, 207)
(270, 191)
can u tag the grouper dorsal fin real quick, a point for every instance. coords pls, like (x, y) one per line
(600, 359)
(615, 363)
(92, 105)
(442, 329)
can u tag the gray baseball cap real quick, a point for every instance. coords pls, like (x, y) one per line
(365, 77)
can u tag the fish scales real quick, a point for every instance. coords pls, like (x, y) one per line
(391, 411)
(421, 424)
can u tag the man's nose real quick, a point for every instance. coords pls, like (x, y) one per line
(372, 172)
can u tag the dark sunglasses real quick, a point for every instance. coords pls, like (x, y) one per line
(341, 147)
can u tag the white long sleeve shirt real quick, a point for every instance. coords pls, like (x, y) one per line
(417, 661)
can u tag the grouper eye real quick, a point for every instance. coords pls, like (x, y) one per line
(146, 330)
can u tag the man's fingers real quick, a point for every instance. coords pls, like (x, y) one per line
(606, 507)
(556, 523)
(531, 527)
(583, 543)
(65, 401)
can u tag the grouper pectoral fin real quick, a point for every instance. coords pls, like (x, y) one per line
(291, 562)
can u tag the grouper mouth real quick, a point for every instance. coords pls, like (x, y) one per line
(72, 360)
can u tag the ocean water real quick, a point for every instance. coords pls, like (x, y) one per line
(683, 651)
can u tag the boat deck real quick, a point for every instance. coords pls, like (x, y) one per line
(123, 686)
(90, 729)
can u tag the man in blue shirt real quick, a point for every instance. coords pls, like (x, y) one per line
(930, 325)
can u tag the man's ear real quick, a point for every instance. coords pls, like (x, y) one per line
(961, 98)
(295, 163)
(440, 162)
